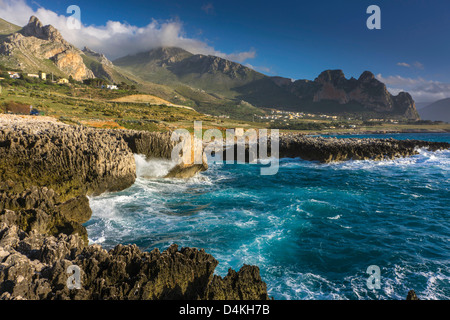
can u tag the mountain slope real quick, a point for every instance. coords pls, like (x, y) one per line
(437, 111)
(209, 84)
(225, 80)
(172, 66)
(36, 47)
(7, 28)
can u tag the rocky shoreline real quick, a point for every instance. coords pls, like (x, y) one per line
(331, 149)
(47, 171)
(328, 150)
(34, 267)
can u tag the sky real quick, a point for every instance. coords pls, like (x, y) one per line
(293, 39)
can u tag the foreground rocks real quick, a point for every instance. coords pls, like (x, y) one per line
(47, 171)
(34, 266)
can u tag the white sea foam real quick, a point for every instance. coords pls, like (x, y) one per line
(335, 217)
(153, 168)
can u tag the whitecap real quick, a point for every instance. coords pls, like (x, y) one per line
(335, 217)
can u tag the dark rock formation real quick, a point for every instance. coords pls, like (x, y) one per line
(332, 149)
(367, 90)
(412, 295)
(33, 266)
(328, 150)
(150, 144)
(332, 93)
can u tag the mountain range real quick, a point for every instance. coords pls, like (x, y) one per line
(437, 111)
(209, 84)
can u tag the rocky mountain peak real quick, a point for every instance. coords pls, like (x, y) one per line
(36, 29)
(366, 76)
(100, 57)
(333, 76)
(30, 48)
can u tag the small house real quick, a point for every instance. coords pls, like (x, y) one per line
(33, 75)
(112, 87)
(43, 75)
(14, 75)
(63, 81)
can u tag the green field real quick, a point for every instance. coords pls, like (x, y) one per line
(82, 104)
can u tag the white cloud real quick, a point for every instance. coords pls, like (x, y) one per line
(421, 90)
(116, 39)
(416, 65)
(262, 69)
(404, 64)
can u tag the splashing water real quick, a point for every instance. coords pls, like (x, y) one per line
(313, 229)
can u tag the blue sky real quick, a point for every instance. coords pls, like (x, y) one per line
(294, 39)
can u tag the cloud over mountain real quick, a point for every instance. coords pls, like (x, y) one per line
(116, 39)
(419, 88)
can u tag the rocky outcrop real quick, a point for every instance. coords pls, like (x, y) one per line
(412, 295)
(36, 29)
(33, 266)
(101, 58)
(156, 145)
(49, 168)
(101, 66)
(331, 92)
(326, 150)
(367, 91)
(33, 44)
(70, 62)
(332, 149)
(72, 161)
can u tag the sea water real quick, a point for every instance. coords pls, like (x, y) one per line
(313, 229)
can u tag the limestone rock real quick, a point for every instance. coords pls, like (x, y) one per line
(35, 43)
(33, 266)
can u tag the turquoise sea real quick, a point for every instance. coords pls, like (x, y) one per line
(313, 229)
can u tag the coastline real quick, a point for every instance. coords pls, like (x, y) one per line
(42, 212)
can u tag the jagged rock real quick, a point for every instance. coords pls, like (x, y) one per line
(72, 161)
(235, 285)
(367, 91)
(332, 149)
(328, 150)
(412, 295)
(48, 168)
(36, 29)
(33, 44)
(155, 145)
(33, 266)
(150, 144)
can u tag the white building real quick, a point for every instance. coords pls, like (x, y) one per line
(14, 75)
